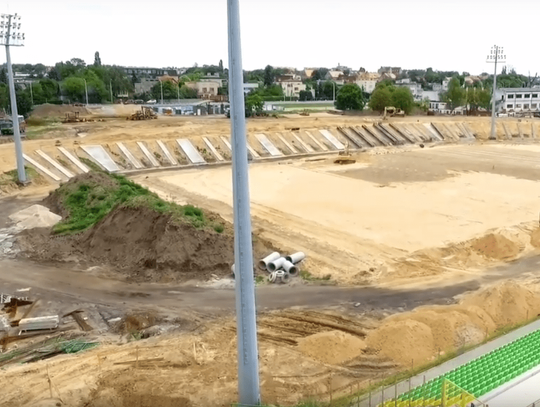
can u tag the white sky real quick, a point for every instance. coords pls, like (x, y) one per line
(294, 33)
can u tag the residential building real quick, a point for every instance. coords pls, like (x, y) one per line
(291, 84)
(307, 73)
(445, 83)
(149, 72)
(215, 77)
(415, 88)
(437, 87)
(335, 76)
(248, 87)
(207, 89)
(519, 100)
(390, 70)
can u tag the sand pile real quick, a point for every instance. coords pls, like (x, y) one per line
(496, 246)
(35, 216)
(506, 303)
(332, 347)
(535, 238)
(59, 111)
(423, 334)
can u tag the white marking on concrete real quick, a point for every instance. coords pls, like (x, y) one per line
(99, 154)
(41, 168)
(136, 163)
(167, 153)
(306, 146)
(321, 146)
(226, 141)
(148, 154)
(190, 151)
(268, 145)
(55, 164)
(213, 149)
(289, 145)
(74, 160)
(431, 130)
(332, 139)
(254, 154)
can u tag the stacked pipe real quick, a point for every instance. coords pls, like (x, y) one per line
(280, 268)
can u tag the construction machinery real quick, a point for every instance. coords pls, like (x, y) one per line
(391, 111)
(345, 156)
(71, 118)
(146, 113)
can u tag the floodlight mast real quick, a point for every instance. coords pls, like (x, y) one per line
(10, 36)
(497, 55)
(246, 324)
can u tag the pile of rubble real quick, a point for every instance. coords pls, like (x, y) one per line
(279, 268)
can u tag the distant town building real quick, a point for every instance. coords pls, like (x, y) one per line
(390, 70)
(291, 84)
(518, 100)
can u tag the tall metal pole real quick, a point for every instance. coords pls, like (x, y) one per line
(21, 173)
(246, 324)
(495, 56)
(86, 91)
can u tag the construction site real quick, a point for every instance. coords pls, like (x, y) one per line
(409, 241)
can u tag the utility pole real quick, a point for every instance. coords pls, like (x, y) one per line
(496, 55)
(86, 91)
(10, 36)
(246, 324)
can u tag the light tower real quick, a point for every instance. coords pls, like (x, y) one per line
(10, 36)
(497, 55)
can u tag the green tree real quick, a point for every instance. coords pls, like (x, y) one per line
(380, 98)
(4, 96)
(403, 99)
(24, 103)
(305, 95)
(51, 90)
(220, 65)
(269, 76)
(350, 97)
(97, 59)
(254, 103)
(3, 76)
(170, 90)
(74, 89)
(455, 96)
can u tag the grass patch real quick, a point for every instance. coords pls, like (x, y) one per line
(307, 276)
(90, 164)
(88, 202)
(12, 177)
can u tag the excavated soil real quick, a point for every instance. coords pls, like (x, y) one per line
(58, 111)
(140, 243)
(496, 247)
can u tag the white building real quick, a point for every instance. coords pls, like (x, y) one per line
(291, 84)
(519, 100)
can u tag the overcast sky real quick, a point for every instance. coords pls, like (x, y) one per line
(412, 34)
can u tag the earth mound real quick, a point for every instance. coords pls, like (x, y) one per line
(332, 347)
(109, 220)
(57, 111)
(496, 246)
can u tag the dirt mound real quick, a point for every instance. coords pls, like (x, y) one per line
(35, 216)
(430, 331)
(496, 246)
(403, 341)
(506, 303)
(58, 111)
(535, 238)
(332, 347)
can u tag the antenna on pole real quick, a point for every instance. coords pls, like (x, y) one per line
(496, 55)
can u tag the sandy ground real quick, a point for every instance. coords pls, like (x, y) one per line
(355, 221)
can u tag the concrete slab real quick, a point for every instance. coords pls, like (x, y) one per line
(358, 135)
(396, 134)
(332, 139)
(167, 153)
(41, 168)
(383, 140)
(190, 151)
(427, 135)
(99, 154)
(213, 149)
(131, 158)
(268, 145)
(471, 133)
(507, 132)
(520, 131)
(74, 160)
(148, 154)
(317, 142)
(406, 133)
(304, 145)
(55, 164)
(289, 145)
(533, 130)
(226, 142)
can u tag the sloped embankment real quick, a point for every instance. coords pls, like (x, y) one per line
(109, 220)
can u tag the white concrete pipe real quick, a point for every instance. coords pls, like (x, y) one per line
(263, 264)
(290, 268)
(296, 257)
(276, 264)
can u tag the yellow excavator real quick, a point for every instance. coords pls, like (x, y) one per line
(391, 111)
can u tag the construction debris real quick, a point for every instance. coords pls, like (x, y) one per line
(76, 315)
(146, 113)
(280, 269)
(39, 323)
